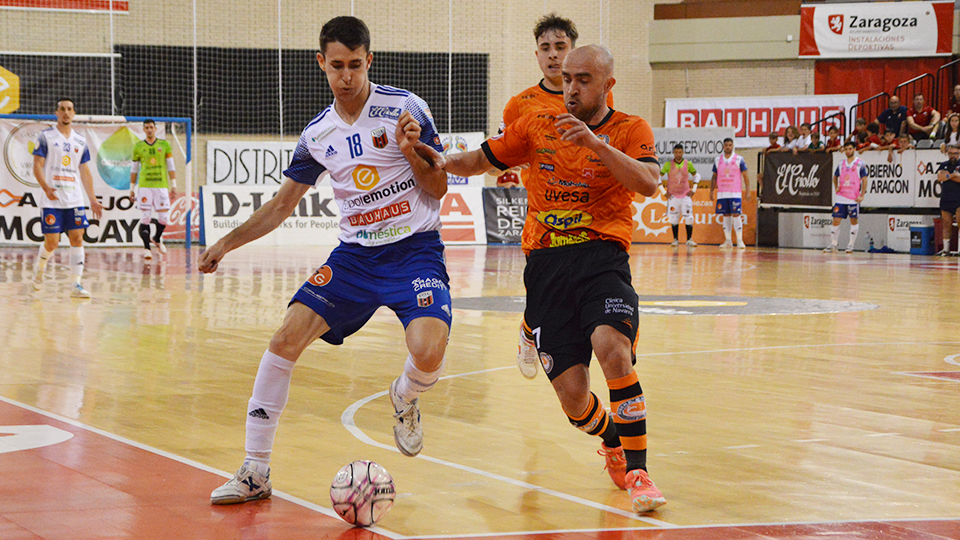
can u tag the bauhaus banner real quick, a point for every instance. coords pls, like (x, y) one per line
(876, 30)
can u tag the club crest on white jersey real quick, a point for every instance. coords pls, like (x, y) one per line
(372, 181)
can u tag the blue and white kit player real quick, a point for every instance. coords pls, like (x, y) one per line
(390, 252)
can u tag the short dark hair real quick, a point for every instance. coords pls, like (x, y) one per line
(850, 143)
(149, 121)
(805, 124)
(874, 128)
(727, 139)
(773, 135)
(833, 128)
(678, 146)
(70, 99)
(349, 31)
(558, 23)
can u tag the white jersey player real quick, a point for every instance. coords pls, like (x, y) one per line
(60, 167)
(390, 252)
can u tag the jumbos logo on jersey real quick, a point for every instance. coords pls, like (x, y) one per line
(379, 137)
(365, 177)
(632, 410)
(425, 299)
(380, 111)
(554, 238)
(565, 219)
(322, 276)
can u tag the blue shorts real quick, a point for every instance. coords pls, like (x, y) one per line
(843, 211)
(409, 277)
(61, 220)
(728, 206)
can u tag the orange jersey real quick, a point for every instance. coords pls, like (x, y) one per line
(571, 195)
(535, 99)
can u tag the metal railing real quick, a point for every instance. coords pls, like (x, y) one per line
(948, 76)
(838, 119)
(868, 109)
(925, 84)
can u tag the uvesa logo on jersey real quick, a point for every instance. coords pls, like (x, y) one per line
(366, 177)
(322, 276)
(379, 137)
(565, 219)
(65, 160)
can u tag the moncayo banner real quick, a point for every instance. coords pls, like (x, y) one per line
(876, 29)
(801, 180)
(754, 118)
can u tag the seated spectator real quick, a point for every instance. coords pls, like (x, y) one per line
(893, 118)
(949, 132)
(859, 126)
(955, 100)
(774, 144)
(804, 141)
(833, 140)
(791, 138)
(922, 119)
(866, 142)
(816, 145)
(904, 142)
(888, 141)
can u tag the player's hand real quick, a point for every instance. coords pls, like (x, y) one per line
(96, 208)
(210, 259)
(407, 132)
(50, 193)
(574, 130)
(859, 199)
(430, 155)
(133, 195)
(173, 193)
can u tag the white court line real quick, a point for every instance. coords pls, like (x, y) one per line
(808, 346)
(810, 440)
(347, 419)
(741, 447)
(952, 359)
(949, 430)
(185, 461)
(882, 435)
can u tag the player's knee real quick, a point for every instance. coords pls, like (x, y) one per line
(163, 218)
(674, 220)
(288, 344)
(145, 219)
(427, 353)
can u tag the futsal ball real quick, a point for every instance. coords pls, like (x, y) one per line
(362, 493)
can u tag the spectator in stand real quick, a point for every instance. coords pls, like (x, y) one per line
(922, 119)
(904, 142)
(859, 126)
(791, 138)
(774, 144)
(833, 143)
(893, 118)
(949, 132)
(816, 145)
(804, 141)
(888, 142)
(955, 100)
(863, 142)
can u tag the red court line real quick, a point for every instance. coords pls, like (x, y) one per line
(95, 487)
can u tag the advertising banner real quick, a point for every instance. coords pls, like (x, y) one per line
(890, 183)
(754, 118)
(261, 163)
(316, 220)
(802, 180)
(505, 210)
(700, 145)
(876, 29)
(898, 230)
(111, 146)
(90, 6)
(651, 224)
(816, 230)
(928, 189)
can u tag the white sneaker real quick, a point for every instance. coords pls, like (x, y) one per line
(147, 255)
(37, 280)
(727, 244)
(160, 247)
(675, 243)
(691, 243)
(849, 249)
(527, 357)
(246, 485)
(408, 433)
(830, 249)
(741, 245)
(79, 292)
(944, 252)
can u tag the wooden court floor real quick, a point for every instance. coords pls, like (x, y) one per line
(791, 395)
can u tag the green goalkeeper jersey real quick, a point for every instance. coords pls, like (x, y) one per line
(153, 163)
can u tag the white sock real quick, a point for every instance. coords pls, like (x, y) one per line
(738, 228)
(76, 262)
(42, 257)
(414, 382)
(727, 223)
(854, 229)
(834, 235)
(270, 392)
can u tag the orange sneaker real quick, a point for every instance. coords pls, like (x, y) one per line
(616, 464)
(643, 493)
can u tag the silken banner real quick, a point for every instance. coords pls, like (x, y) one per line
(876, 29)
(803, 180)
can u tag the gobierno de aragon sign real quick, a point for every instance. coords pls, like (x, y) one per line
(876, 30)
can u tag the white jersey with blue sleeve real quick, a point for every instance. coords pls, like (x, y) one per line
(61, 168)
(373, 184)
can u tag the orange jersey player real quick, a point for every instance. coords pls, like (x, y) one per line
(585, 166)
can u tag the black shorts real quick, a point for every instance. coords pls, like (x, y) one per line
(571, 290)
(949, 206)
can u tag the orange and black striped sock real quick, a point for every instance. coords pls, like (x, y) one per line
(596, 421)
(629, 413)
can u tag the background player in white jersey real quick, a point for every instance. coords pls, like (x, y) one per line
(679, 177)
(390, 251)
(60, 167)
(849, 186)
(728, 185)
(154, 175)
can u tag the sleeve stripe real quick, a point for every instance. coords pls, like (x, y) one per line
(649, 160)
(492, 158)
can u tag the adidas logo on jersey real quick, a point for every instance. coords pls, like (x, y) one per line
(259, 413)
(330, 152)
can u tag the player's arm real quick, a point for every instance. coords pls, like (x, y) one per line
(744, 178)
(639, 176)
(467, 163)
(134, 172)
(267, 218)
(713, 184)
(430, 176)
(38, 163)
(863, 188)
(694, 175)
(87, 180)
(172, 174)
